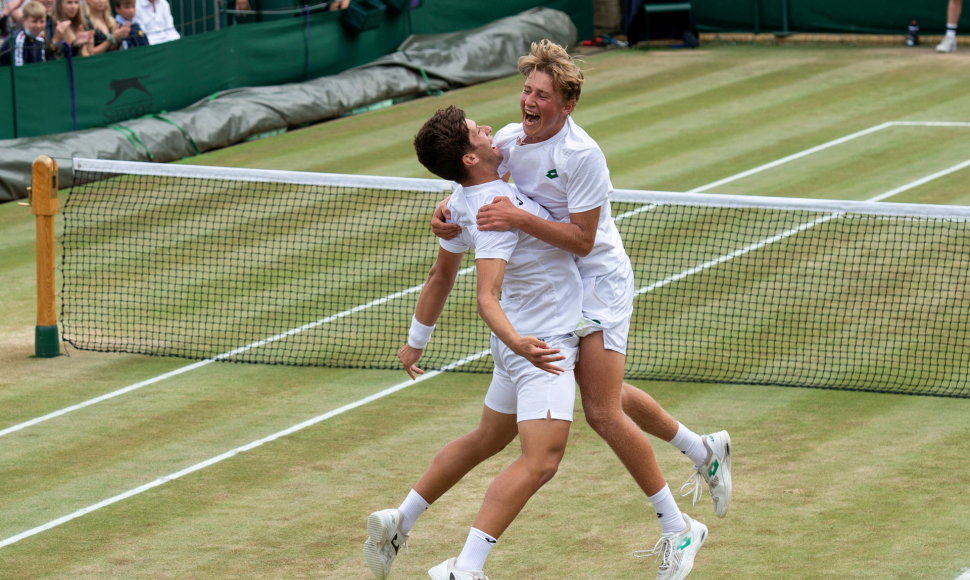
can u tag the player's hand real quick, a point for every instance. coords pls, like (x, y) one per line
(439, 221)
(539, 354)
(498, 216)
(408, 357)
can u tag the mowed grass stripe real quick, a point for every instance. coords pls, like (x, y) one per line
(86, 458)
(656, 131)
(272, 485)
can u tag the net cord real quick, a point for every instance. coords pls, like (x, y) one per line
(260, 175)
(957, 212)
(646, 197)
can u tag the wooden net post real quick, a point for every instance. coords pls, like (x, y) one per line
(43, 203)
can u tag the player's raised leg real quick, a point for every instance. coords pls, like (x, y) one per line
(711, 454)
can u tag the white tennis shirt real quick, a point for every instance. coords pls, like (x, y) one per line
(567, 173)
(541, 292)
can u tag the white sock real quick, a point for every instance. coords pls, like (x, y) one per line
(477, 547)
(951, 30)
(412, 508)
(671, 519)
(690, 444)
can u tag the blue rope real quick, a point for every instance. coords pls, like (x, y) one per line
(70, 83)
(306, 41)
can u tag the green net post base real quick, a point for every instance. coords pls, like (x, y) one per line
(46, 343)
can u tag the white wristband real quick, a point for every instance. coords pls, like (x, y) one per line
(419, 335)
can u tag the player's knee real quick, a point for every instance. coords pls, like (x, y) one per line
(544, 469)
(601, 418)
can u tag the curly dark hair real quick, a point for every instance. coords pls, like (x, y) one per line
(442, 142)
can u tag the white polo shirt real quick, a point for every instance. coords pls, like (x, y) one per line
(541, 291)
(567, 173)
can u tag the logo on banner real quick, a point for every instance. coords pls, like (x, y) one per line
(131, 99)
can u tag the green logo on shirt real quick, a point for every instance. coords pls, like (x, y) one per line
(552, 174)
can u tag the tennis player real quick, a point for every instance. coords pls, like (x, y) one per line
(556, 163)
(532, 392)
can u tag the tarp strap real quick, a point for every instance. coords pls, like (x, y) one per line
(135, 140)
(306, 42)
(427, 82)
(188, 137)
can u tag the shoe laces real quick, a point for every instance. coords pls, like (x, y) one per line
(694, 485)
(663, 549)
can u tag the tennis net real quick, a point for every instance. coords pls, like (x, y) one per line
(322, 269)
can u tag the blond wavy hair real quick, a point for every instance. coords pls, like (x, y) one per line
(548, 57)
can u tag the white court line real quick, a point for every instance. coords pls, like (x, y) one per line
(919, 182)
(965, 575)
(828, 145)
(216, 358)
(388, 391)
(233, 452)
(786, 234)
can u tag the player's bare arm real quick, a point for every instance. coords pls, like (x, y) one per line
(489, 273)
(434, 294)
(575, 236)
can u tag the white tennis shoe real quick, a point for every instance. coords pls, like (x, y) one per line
(716, 472)
(948, 44)
(384, 540)
(677, 551)
(447, 571)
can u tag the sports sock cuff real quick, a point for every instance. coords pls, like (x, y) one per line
(414, 505)
(670, 516)
(690, 444)
(476, 550)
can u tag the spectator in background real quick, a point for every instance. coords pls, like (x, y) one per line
(155, 19)
(125, 17)
(243, 11)
(70, 27)
(9, 15)
(949, 42)
(108, 34)
(50, 29)
(27, 45)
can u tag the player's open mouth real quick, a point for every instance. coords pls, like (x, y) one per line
(530, 118)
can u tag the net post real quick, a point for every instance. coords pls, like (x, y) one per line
(43, 203)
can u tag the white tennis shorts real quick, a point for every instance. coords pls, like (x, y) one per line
(608, 307)
(518, 387)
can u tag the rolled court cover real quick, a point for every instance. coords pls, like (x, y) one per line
(423, 64)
